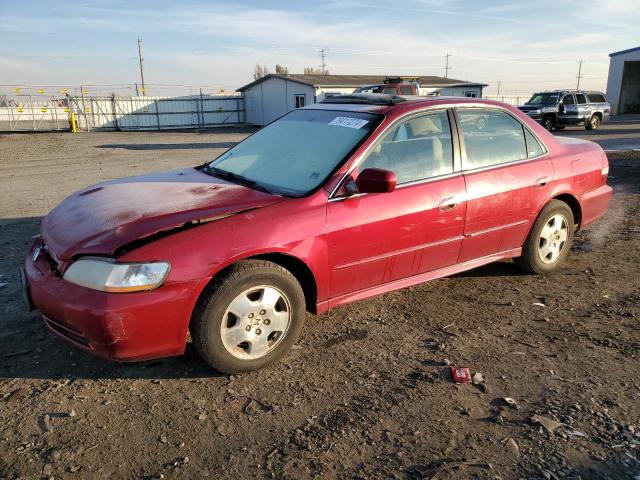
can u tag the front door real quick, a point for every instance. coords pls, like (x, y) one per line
(378, 238)
(568, 111)
(508, 175)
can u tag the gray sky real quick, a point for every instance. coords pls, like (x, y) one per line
(525, 45)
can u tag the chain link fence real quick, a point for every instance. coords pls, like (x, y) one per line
(24, 109)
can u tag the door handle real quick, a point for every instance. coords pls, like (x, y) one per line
(541, 182)
(447, 204)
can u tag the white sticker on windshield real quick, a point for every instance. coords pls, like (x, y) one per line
(349, 122)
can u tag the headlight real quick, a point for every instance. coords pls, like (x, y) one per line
(106, 275)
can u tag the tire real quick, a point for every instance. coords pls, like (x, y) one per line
(593, 123)
(235, 329)
(549, 122)
(547, 247)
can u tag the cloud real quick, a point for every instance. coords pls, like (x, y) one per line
(220, 43)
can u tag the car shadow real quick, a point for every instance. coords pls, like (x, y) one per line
(168, 146)
(497, 269)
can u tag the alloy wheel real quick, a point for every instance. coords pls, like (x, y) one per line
(553, 238)
(255, 322)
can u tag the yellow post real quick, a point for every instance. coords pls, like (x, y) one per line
(73, 123)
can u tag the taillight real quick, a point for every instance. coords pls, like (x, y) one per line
(605, 168)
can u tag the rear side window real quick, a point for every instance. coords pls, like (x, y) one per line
(596, 97)
(416, 149)
(580, 98)
(491, 137)
(389, 90)
(568, 100)
(534, 149)
(406, 90)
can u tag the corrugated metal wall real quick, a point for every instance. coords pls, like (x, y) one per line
(156, 113)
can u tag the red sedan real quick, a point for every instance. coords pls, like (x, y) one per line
(332, 203)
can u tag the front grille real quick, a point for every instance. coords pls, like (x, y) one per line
(68, 332)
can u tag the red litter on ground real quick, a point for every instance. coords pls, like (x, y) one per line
(460, 374)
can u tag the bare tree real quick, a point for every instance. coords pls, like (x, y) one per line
(315, 71)
(281, 69)
(260, 71)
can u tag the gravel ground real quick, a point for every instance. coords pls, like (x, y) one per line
(365, 393)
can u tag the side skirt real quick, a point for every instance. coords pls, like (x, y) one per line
(322, 307)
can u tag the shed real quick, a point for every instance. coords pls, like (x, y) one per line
(623, 84)
(272, 96)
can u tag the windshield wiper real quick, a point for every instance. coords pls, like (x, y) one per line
(227, 175)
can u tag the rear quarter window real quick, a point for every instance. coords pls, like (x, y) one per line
(596, 98)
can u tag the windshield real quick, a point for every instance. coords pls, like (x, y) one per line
(543, 99)
(295, 154)
(369, 89)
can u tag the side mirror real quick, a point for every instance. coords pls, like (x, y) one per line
(376, 180)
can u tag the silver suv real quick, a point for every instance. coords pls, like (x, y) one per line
(559, 108)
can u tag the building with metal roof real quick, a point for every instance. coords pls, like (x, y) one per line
(623, 84)
(273, 95)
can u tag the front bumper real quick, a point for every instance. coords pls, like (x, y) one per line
(116, 326)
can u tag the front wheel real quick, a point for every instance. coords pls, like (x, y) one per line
(549, 122)
(548, 243)
(249, 317)
(593, 123)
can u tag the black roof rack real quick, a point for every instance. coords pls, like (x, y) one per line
(366, 98)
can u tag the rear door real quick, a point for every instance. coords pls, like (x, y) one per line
(583, 106)
(379, 238)
(507, 174)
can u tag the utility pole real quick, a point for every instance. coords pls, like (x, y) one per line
(447, 67)
(579, 74)
(144, 90)
(499, 82)
(323, 56)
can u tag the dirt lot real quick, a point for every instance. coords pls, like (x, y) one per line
(365, 393)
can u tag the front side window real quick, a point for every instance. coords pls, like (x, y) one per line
(406, 90)
(299, 101)
(389, 90)
(491, 137)
(295, 154)
(416, 149)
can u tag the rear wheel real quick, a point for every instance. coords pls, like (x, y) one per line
(250, 317)
(593, 123)
(548, 122)
(548, 243)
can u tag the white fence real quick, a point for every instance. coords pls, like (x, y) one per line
(508, 99)
(34, 117)
(156, 113)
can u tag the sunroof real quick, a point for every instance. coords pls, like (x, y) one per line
(366, 98)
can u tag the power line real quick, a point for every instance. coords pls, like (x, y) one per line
(144, 90)
(579, 76)
(323, 56)
(447, 67)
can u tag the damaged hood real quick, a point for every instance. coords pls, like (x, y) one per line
(106, 216)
